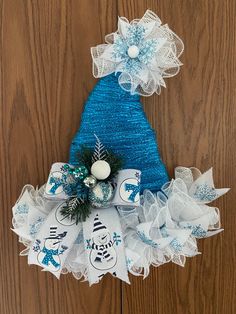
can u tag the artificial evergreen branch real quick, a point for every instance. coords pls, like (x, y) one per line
(116, 164)
(76, 209)
(85, 156)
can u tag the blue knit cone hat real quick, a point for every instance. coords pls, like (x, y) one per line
(118, 119)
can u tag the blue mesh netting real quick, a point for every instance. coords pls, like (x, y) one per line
(119, 121)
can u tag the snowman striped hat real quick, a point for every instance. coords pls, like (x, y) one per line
(98, 225)
(53, 233)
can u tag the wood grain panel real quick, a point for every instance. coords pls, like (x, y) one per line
(45, 77)
(195, 120)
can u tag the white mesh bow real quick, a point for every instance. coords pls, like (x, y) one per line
(143, 51)
(166, 226)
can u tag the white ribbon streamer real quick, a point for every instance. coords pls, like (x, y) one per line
(53, 242)
(127, 192)
(104, 245)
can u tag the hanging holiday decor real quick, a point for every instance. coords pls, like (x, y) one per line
(86, 184)
(112, 208)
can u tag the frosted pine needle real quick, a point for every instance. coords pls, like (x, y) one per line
(100, 152)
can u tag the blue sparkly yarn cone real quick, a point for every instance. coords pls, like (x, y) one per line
(119, 121)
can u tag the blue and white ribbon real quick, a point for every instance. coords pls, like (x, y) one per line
(104, 245)
(166, 226)
(127, 191)
(157, 229)
(55, 236)
(58, 183)
(53, 242)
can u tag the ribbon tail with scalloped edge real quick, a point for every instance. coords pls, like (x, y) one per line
(104, 245)
(53, 242)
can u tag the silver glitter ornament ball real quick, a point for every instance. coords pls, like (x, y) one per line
(90, 181)
(101, 194)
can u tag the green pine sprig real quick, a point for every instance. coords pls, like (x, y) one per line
(85, 157)
(116, 164)
(76, 209)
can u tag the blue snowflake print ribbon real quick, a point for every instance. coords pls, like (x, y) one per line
(205, 192)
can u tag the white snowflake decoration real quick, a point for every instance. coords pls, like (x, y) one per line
(143, 51)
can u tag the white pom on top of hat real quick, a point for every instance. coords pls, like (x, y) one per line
(101, 169)
(133, 51)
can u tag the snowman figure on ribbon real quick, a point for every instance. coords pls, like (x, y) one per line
(49, 255)
(103, 254)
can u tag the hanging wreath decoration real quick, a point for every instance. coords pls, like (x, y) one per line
(112, 208)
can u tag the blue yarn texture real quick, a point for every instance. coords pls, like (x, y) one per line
(118, 119)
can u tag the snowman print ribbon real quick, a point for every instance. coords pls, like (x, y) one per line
(103, 241)
(50, 252)
(53, 242)
(127, 191)
(104, 245)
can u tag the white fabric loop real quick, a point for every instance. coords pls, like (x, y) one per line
(143, 73)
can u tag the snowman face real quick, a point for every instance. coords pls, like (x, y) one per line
(52, 244)
(102, 238)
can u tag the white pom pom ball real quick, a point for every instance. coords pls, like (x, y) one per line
(101, 169)
(133, 51)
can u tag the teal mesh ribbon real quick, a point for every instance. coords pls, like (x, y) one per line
(119, 121)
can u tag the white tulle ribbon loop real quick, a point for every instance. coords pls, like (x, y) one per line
(142, 51)
(200, 186)
(203, 189)
(158, 239)
(29, 213)
(188, 196)
(171, 221)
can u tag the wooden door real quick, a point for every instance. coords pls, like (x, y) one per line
(45, 77)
